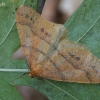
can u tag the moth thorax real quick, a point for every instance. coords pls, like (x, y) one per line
(35, 71)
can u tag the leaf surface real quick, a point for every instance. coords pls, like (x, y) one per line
(9, 43)
(83, 26)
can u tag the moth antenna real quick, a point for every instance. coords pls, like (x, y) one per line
(19, 77)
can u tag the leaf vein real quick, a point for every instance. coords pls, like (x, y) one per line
(7, 34)
(61, 89)
(88, 30)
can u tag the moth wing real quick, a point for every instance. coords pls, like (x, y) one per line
(61, 33)
(70, 63)
(37, 35)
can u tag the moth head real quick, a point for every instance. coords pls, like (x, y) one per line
(35, 71)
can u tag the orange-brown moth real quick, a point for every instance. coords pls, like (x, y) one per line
(50, 54)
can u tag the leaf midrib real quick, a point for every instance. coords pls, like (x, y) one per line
(88, 30)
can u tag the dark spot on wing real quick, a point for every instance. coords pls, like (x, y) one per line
(46, 33)
(93, 67)
(77, 58)
(42, 29)
(26, 16)
(71, 55)
(88, 76)
(95, 71)
(31, 18)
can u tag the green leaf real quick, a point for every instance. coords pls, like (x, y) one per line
(83, 27)
(8, 91)
(81, 31)
(9, 43)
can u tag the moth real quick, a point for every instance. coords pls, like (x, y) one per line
(49, 52)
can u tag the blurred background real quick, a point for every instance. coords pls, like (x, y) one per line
(57, 11)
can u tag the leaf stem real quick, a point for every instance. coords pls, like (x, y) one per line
(13, 70)
(40, 5)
